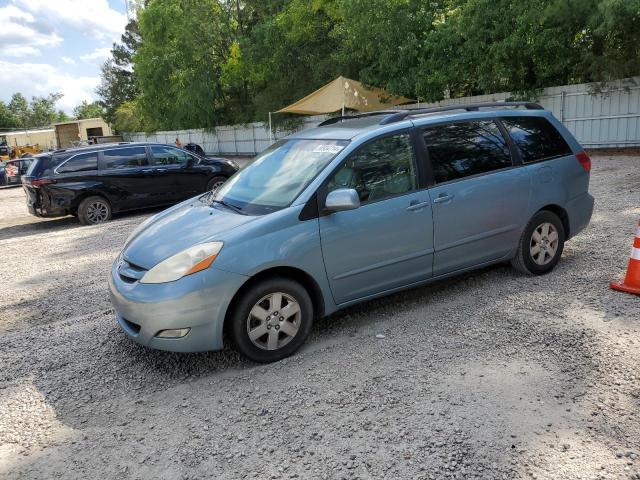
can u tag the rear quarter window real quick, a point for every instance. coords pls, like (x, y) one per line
(83, 162)
(39, 166)
(536, 138)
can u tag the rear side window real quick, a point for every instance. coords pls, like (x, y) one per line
(536, 138)
(24, 165)
(34, 166)
(80, 163)
(459, 150)
(169, 156)
(127, 157)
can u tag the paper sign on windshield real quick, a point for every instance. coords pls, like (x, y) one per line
(328, 149)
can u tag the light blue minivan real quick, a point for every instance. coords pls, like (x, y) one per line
(359, 207)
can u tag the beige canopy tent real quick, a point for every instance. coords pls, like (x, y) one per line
(344, 93)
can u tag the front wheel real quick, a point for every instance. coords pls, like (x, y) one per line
(215, 183)
(271, 320)
(541, 244)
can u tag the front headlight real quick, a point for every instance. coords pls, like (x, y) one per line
(192, 260)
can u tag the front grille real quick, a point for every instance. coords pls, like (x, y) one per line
(130, 272)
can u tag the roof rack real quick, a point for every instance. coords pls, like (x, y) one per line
(471, 107)
(392, 116)
(333, 120)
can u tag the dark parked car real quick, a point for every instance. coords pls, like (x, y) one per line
(94, 182)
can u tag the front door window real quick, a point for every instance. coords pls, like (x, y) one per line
(381, 169)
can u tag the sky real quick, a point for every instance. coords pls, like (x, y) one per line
(49, 46)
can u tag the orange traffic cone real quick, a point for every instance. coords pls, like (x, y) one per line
(631, 282)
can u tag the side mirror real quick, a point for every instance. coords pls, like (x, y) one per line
(342, 199)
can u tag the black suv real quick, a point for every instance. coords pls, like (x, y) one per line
(94, 182)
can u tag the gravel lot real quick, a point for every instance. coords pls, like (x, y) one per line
(490, 375)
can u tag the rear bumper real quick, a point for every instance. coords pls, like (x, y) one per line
(198, 302)
(579, 210)
(39, 212)
(35, 206)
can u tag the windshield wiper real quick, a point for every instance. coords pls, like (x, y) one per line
(229, 206)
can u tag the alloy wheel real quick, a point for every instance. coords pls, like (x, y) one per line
(274, 321)
(544, 243)
(97, 212)
(216, 186)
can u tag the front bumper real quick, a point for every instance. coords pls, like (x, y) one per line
(198, 302)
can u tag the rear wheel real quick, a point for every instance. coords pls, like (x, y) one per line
(93, 210)
(215, 183)
(541, 244)
(271, 320)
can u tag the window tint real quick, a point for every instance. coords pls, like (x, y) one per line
(381, 169)
(536, 138)
(34, 165)
(126, 157)
(458, 150)
(24, 166)
(169, 156)
(80, 163)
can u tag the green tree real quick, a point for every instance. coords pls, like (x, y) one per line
(204, 62)
(129, 118)
(61, 116)
(88, 110)
(7, 118)
(290, 53)
(179, 63)
(43, 110)
(117, 75)
(19, 108)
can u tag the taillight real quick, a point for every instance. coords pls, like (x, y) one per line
(584, 160)
(41, 181)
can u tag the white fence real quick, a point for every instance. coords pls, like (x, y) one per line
(607, 119)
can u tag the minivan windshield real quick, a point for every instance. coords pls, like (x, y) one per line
(275, 178)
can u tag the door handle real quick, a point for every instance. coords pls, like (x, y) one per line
(416, 205)
(161, 170)
(147, 170)
(443, 198)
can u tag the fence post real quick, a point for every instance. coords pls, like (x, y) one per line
(253, 135)
(235, 139)
(562, 106)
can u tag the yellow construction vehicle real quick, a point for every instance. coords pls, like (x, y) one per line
(5, 149)
(22, 150)
(8, 152)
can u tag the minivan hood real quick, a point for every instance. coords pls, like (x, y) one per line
(181, 227)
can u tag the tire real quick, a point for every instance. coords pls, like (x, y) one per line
(216, 182)
(254, 312)
(538, 261)
(94, 210)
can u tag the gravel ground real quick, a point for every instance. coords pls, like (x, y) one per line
(490, 375)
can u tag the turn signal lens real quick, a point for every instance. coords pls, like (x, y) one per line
(206, 263)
